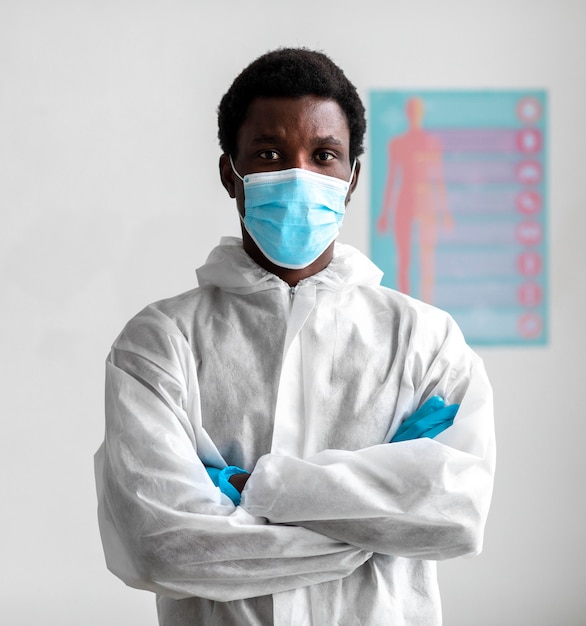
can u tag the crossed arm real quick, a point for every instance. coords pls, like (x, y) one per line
(167, 528)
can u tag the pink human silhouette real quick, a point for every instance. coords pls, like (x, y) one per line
(416, 170)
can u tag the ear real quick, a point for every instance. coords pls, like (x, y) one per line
(227, 175)
(354, 181)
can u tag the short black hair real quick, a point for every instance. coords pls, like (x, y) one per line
(290, 73)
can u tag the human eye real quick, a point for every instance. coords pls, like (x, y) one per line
(269, 155)
(324, 155)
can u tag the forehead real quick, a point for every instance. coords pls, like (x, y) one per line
(305, 119)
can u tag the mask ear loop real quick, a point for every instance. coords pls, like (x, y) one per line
(349, 183)
(234, 169)
(352, 172)
(242, 179)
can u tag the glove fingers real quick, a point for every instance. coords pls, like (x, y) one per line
(433, 423)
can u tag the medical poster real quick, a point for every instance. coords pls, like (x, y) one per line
(458, 206)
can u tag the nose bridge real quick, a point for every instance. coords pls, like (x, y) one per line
(302, 159)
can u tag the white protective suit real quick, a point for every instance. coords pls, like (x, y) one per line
(302, 388)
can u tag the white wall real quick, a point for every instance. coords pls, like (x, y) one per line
(109, 199)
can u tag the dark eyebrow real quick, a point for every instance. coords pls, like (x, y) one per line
(328, 139)
(273, 139)
(260, 139)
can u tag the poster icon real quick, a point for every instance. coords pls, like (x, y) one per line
(529, 109)
(528, 202)
(458, 206)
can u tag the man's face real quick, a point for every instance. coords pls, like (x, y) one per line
(281, 133)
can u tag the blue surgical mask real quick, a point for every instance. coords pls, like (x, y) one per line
(293, 215)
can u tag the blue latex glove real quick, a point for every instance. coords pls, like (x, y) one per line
(220, 478)
(429, 420)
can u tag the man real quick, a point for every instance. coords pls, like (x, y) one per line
(264, 459)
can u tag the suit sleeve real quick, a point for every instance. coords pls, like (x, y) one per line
(424, 498)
